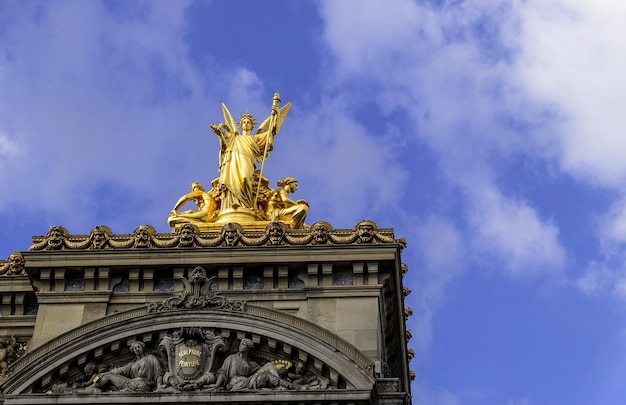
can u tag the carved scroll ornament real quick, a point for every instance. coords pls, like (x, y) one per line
(197, 294)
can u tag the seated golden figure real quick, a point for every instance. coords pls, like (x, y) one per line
(282, 208)
(204, 201)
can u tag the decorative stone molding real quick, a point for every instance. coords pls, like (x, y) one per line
(197, 294)
(276, 233)
(388, 384)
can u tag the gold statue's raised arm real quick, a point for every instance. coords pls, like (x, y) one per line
(279, 115)
(224, 133)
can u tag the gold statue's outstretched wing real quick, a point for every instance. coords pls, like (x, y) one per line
(282, 114)
(229, 120)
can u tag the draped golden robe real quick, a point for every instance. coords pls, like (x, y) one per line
(237, 167)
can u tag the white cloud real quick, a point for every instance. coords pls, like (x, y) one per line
(119, 101)
(512, 233)
(461, 93)
(441, 245)
(8, 148)
(94, 98)
(596, 278)
(9, 154)
(572, 59)
(366, 36)
(612, 228)
(604, 278)
(607, 274)
(349, 173)
(572, 56)
(518, 402)
(246, 92)
(441, 255)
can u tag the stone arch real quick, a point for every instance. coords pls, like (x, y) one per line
(279, 334)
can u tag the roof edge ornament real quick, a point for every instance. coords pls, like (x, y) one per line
(275, 233)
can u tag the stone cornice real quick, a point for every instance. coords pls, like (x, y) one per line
(72, 297)
(209, 256)
(252, 398)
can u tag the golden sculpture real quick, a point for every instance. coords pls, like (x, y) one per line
(281, 207)
(241, 193)
(205, 202)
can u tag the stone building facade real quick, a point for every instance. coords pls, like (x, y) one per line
(233, 315)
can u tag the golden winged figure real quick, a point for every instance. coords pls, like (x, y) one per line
(241, 194)
(240, 151)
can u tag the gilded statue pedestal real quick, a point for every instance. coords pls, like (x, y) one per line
(246, 217)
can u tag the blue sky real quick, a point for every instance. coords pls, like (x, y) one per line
(488, 133)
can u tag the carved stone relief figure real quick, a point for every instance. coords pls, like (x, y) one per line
(302, 380)
(100, 237)
(90, 371)
(196, 294)
(9, 352)
(190, 362)
(365, 231)
(13, 266)
(276, 232)
(321, 233)
(140, 375)
(143, 236)
(82, 385)
(405, 269)
(187, 235)
(239, 372)
(231, 232)
(54, 240)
